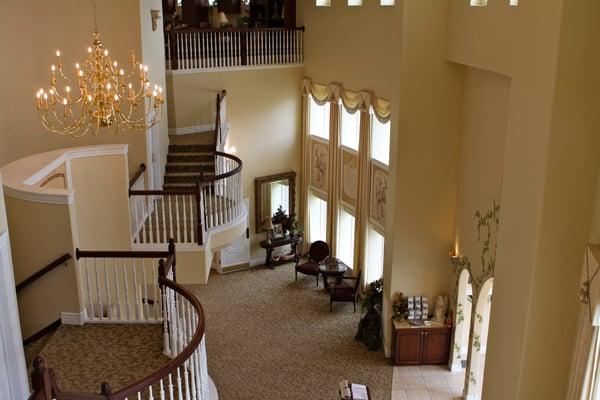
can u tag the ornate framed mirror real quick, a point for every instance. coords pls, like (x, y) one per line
(273, 192)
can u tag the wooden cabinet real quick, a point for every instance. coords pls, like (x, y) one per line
(421, 345)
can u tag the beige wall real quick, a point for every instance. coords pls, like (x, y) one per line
(483, 132)
(47, 228)
(349, 45)
(483, 37)
(31, 31)
(101, 208)
(263, 108)
(427, 101)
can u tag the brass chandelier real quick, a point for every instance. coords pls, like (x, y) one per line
(101, 96)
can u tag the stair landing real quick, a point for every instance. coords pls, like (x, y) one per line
(85, 356)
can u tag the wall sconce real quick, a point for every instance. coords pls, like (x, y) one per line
(155, 15)
(454, 257)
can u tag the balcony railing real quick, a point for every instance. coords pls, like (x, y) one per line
(160, 299)
(195, 49)
(187, 214)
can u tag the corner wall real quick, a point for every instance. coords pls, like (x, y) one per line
(424, 168)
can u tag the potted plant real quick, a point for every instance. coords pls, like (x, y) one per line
(400, 307)
(369, 328)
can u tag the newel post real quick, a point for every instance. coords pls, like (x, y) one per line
(199, 187)
(174, 263)
(40, 380)
(173, 46)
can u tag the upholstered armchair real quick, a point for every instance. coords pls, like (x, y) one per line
(308, 263)
(345, 291)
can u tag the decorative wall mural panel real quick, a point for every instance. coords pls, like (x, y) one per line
(319, 165)
(349, 177)
(379, 195)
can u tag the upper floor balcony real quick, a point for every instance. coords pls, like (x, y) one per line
(232, 48)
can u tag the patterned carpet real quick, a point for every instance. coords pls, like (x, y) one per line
(85, 356)
(271, 338)
(268, 338)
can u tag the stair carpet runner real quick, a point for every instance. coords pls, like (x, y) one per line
(186, 162)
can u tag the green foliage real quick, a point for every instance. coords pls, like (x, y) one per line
(400, 307)
(373, 296)
(281, 217)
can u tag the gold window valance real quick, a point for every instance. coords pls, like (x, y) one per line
(352, 101)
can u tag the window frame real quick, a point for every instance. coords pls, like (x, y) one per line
(374, 121)
(343, 208)
(326, 119)
(357, 116)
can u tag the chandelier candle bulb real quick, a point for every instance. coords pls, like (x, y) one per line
(103, 89)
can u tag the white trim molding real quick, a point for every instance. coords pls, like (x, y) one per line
(22, 176)
(186, 130)
(72, 318)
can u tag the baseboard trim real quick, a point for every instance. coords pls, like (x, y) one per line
(53, 326)
(386, 350)
(256, 262)
(71, 318)
(186, 130)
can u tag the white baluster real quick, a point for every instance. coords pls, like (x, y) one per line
(98, 295)
(194, 50)
(151, 394)
(186, 61)
(165, 312)
(136, 231)
(89, 290)
(302, 46)
(179, 51)
(157, 304)
(117, 289)
(171, 387)
(185, 230)
(148, 218)
(145, 289)
(179, 387)
(178, 227)
(172, 323)
(162, 390)
(157, 230)
(164, 220)
(106, 290)
(170, 207)
(136, 292)
(126, 281)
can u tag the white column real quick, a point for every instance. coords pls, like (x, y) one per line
(13, 373)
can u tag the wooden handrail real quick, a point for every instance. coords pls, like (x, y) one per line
(224, 175)
(182, 357)
(225, 30)
(54, 264)
(125, 253)
(220, 97)
(44, 381)
(164, 192)
(137, 175)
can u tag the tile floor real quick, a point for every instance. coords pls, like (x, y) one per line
(427, 382)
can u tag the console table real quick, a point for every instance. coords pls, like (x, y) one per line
(293, 241)
(416, 345)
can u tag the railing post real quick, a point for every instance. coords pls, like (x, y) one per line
(40, 380)
(174, 54)
(172, 253)
(199, 187)
(244, 47)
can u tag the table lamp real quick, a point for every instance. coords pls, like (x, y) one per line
(268, 227)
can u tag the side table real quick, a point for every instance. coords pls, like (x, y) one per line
(293, 241)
